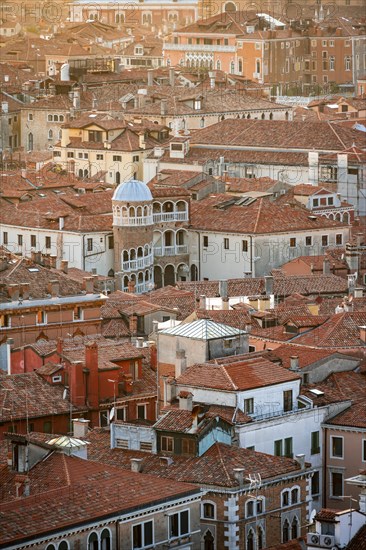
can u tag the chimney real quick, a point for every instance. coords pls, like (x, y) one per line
(248, 328)
(76, 99)
(180, 362)
(150, 77)
(185, 401)
(212, 76)
(141, 94)
(351, 284)
(268, 284)
(313, 159)
(24, 173)
(91, 363)
(4, 106)
(223, 288)
(203, 304)
(294, 363)
(163, 107)
(25, 290)
(326, 266)
(13, 292)
(142, 141)
(133, 324)
(64, 266)
(53, 261)
(61, 223)
(54, 288)
(225, 304)
(358, 292)
(60, 345)
(131, 286)
(139, 342)
(239, 475)
(136, 464)
(363, 333)
(94, 104)
(80, 427)
(88, 284)
(171, 76)
(300, 459)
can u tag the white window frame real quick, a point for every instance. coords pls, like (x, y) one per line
(335, 471)
(203, 508)
(145, 410)
(363, 450)
(179, 524)
(143, 535)
(331, 447)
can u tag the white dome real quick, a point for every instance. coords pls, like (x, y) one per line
(132, 191)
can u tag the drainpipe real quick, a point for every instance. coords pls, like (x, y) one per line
(251, 255)
(83, 252)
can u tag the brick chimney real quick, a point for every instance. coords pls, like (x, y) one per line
(133, 324)
(153, 355)
(64, 266)
(25, 290)
(80, 427)
(363, 333)
(88, 285)
(185, 400)
(91, 363)
(54, 288)
(13, 292)
(77, 384)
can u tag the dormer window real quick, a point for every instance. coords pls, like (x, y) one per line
(197, 104)
(139, 50)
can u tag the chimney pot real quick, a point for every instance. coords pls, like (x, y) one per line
(294, 362)
(136, 464)
(80, 427)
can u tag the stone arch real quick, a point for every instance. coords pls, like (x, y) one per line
(169, 275)
(230, 7)
(158, 276)
(194, 272)
(208, 541)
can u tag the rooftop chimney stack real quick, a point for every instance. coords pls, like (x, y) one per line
(294, 363)
(136, 464)
(239, 475)
(268, 283)
(80, 427)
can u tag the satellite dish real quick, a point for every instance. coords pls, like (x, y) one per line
(111, 414)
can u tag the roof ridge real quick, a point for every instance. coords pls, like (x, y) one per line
(335, 133)
(222, 461)
(235, 387)
(66, 469)
(258, 215)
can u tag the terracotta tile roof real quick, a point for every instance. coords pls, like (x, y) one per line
(358, 542)
(340, 331)
(29, 394)
(177, 420)
(294, 544)
(214, 468)
(307, 356)
(233, 318)
(115, 328)
(279, 134)
(83, 490)
(282, 286)
(325, 514)
(355, 416)
(261, 216)
(231, 374)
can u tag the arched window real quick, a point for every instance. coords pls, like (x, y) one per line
(51, 547)
(86, 173)
(218, 65)
(270, 116)
(50, 134)
(49, 118)
(294, 495)
(230, 7)
(60, 134)
(208, 510)
(30, 141)
(80, 173)
(208, 539)
(202, 122)
(232, 67)
(93, 543)
(249, 507)
(285, 531)
(260, 538)
(263, 116)
(285, 498)
(62, 118)
(295, 528)
(240, 66)
(63, 545)
(55, 118)
(250, 540)
(118, 178)
(106, 539)
(286, 115)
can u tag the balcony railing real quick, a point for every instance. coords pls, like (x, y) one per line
(198, 47)
(171, 250)
(139, 263)
(135, 221)
(170, 217)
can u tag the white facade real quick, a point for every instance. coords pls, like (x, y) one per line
(86, 251)
(264, 252)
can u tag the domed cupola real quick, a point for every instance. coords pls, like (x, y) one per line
(132, 204)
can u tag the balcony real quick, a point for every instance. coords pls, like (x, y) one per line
(134, 221)
(139, 263)
(274, 413)
(171, 250)
(170, 217)
(197, 48)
